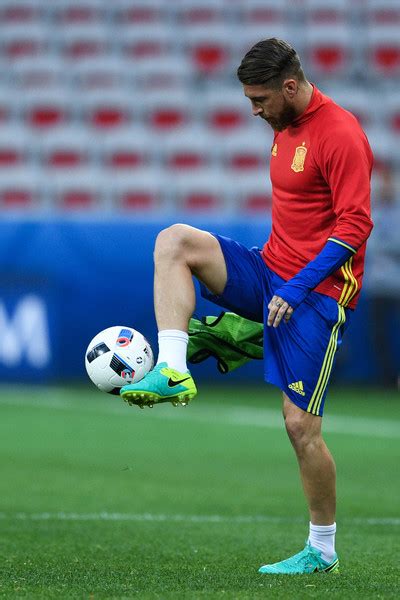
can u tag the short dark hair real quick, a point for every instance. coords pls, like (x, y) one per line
(269, 63)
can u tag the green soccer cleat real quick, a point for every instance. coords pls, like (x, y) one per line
(162, 384)
(307, 561)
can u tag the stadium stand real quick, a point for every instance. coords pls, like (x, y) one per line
(144, 93)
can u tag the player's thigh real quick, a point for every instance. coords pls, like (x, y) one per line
(199, 249)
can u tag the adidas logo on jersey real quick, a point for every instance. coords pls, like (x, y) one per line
(297, 387)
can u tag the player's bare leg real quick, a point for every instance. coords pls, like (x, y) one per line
(180, 252)
(317, 468)
(318, 474)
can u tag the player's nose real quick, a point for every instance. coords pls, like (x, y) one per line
(256, 110)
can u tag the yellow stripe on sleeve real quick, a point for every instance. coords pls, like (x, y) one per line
(342, 244)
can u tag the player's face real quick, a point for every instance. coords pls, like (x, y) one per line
(271, 105)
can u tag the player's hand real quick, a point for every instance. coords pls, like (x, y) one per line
(278, 310)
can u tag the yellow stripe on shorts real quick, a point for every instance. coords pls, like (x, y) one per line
(316, 399)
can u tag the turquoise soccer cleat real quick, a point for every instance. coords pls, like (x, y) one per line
(307, 561)
(162, 384)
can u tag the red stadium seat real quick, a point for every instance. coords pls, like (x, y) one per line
(155, 41)
(200, 191)
(142, 191)
(72, 12)
(210, 48)
(19, 11)
(383, 51)
(202, 12)
(15, 147)
(167, 111)
(225, 109)
(81, 41)
(140, 12)
(326, 12)
(108, 109)
(264, 13)
(167, 73)
(43, 72)
(77, 190)
(127, 150)
(23, 40)
(19, 189)
(188, 150)
(329, 51)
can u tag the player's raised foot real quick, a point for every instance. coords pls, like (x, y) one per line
(162, 384)
(307, 561)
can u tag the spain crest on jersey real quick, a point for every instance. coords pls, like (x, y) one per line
(299, 158)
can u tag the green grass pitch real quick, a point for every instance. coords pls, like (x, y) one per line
(100, 500)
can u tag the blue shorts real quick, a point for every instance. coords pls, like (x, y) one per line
(298, 355)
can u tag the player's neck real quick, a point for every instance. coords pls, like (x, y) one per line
(303, 97)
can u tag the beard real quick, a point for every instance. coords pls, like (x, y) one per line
(286, 117)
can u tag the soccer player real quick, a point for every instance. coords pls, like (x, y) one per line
(303, 284)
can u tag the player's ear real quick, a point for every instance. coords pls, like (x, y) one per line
(290, 88)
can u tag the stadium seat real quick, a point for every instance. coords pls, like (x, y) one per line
(80, 41)
(143, 191)
(15, 147)
(209, 48)
(201, 192)
(147, 41)
(22, 40)
(381, 13)
(140, 13)
(20, 11)
(189, 149)
(252, 194)
(225, 109)
(246, 150)
(167, 73)
(202, 13)
(108, 109)
(43, 72)
(72, 12)
(383, 51)
(93, 74)
(166, 111)
(45, 109)
(263, 13)
(76, 190)
(329, 51)
(326, 12)
(130, 149)
(65, 148)
(19, 189)
(354, 99)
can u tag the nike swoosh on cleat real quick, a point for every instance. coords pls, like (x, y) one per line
(172, 383)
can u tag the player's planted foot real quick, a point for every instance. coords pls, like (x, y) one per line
(309, 560)
(162, 384)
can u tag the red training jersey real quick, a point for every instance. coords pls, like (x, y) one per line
(320, 173)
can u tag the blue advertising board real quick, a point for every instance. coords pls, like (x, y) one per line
(61, 282)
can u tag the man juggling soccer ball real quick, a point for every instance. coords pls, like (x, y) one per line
(303, 284)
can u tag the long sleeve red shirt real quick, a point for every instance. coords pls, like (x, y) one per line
(320, 173)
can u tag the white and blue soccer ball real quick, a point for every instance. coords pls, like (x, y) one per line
(117, 356)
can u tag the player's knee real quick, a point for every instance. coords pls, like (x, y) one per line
(170, 242)
(298, 430)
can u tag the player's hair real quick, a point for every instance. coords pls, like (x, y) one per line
(269, 63)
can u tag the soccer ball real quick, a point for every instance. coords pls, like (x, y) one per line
(117, 356)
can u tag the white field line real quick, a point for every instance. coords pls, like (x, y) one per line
(202, 413)
(160, 518)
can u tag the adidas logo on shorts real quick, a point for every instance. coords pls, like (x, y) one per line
(297, 387)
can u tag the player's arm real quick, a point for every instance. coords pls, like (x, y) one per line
(345, 162)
